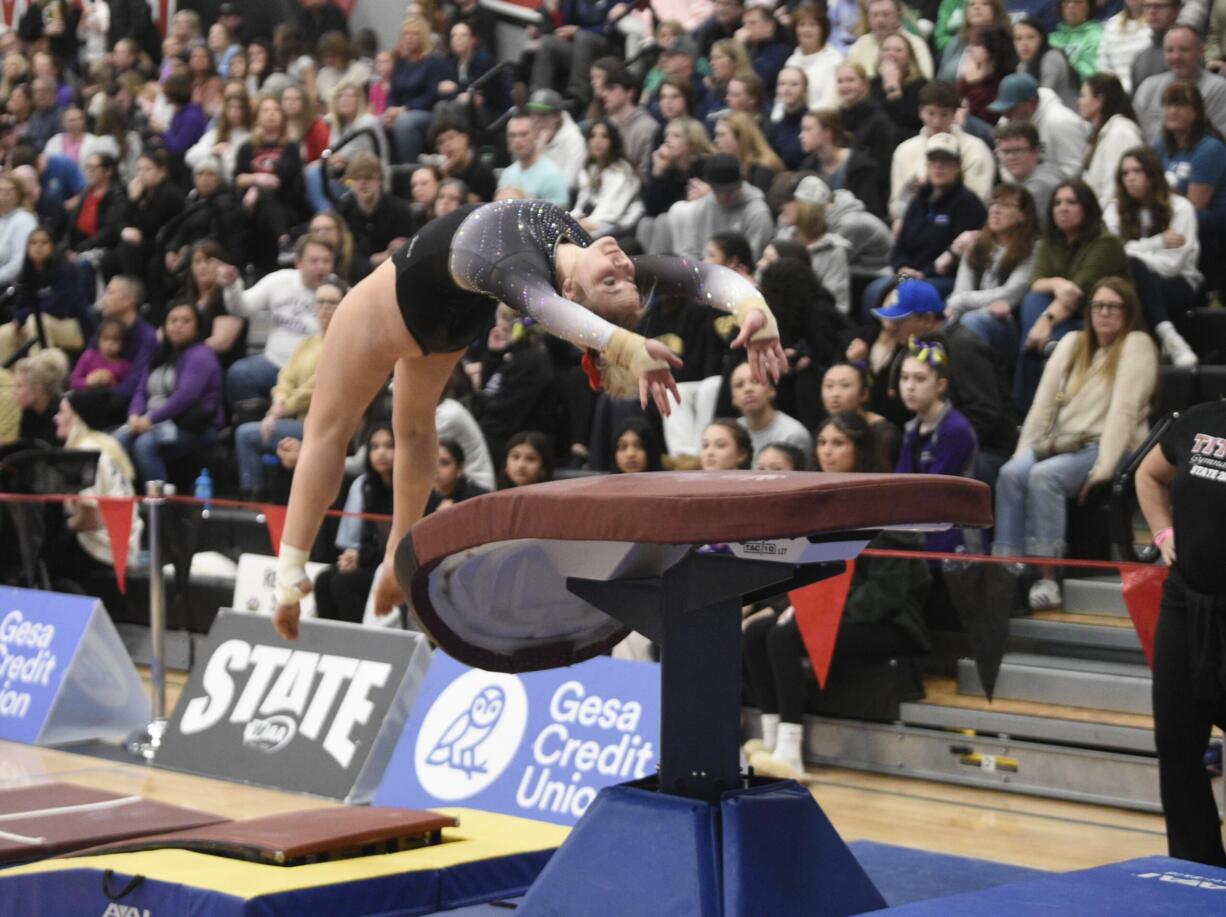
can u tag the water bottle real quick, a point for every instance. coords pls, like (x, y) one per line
(204, 489)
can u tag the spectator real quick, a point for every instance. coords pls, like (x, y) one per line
(1089, 412)
(413, 89)
(48, 291)
(118, 138)
(975, 14)
(870, 238)
(451, 484)
(291, 397)
(1159, 232)
(726, 446)
(737, 134)
(1113, 129)
(898, 85)
(153, 202)
(206, 83)
(994, 274)
(609, 201)
(882, 617)
(454, 422)
(177, 407)
(83, 555)
(223, 44)
(122, 300)
(1021, 163)
(528, 460)
(288, 295)
(1125, 36)
(104, 366)
(379, 222)
(341, 590)
(783, 132)
(846, 387)
(530, 170)
(1184, 52)
(351, 130)
(211, 210)
(636, 448)
(482, 22)
(559, 135)
(48, 208)
(827, 251)
(566, 53)
(16, 223)
(763, 40)
(221, 332)
(56, 22)
(1160, 16)
(452, 193)
(764, 422)
(815, 55)
(1064, 135)
(731, 250)
(679, 160)
(938, 109)
(938, 439)
(885, 17)
(337, 65)
(942, 209)
(637, 126)
(188, 121)
(1076, 252)
(733, 204)
(302, 124)
(38, 382)
(230, 131)
(453, 140)
(74, 141)
(830, 153)
(724, 23)
(727, 58)
(864, 118)
(1195, 161)
(268, 171)
(989, 59)
(1078, 35)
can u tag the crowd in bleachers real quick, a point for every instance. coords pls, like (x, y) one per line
(973, 219)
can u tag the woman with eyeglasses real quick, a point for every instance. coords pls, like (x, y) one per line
(1089, 411)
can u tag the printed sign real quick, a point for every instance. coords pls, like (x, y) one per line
(64, 673)
(255, 585)
(540, 745)
(319, 715)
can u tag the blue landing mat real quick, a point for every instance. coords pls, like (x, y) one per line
(901, 874)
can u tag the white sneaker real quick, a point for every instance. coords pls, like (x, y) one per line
(767, 765)
(1176, 349)
(1045, 595)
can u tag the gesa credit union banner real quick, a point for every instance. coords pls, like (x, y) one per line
(538, 745)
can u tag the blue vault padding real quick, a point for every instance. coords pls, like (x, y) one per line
(768, 849)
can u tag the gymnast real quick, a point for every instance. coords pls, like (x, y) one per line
(418, 312)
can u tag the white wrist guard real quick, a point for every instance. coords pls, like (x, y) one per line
(745, 306)
(291, 570)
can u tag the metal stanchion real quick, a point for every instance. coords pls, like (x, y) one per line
(145, 743)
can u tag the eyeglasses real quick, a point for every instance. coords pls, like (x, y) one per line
(1006, 151)
(1106, 308)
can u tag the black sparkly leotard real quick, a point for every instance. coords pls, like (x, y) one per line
(454, 272)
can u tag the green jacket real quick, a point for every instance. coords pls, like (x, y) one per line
(891, 590)
(1080, 45)
(1085, 261)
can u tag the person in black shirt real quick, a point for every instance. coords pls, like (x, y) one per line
(1181, 487)
(378, 221)
(453, 141)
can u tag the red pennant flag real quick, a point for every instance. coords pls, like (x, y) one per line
(117, 517)
(274, 515)
(1143, 596)
(819, 609)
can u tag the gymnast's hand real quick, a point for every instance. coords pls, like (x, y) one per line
(657, 383)
(766, 356)
(285, 618)
(387, 591)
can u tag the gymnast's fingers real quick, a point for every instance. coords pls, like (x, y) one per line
(672, 387)
(644, 388)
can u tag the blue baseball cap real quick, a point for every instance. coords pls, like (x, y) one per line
(915, 297)
(1015, 89)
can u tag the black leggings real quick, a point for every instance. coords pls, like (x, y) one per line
(342, 596)
(1181, 731)
(1163, 298)
(774, 657)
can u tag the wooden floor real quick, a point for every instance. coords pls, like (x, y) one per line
(987, 824)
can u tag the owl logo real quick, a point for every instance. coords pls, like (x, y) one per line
(457, 747)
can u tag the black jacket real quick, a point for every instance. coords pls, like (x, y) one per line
(153, 210)
(872, 132)
(111, 212)
(373, 232)
(219, 217)
(931, 223)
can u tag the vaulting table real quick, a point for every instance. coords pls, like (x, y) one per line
(553, 574)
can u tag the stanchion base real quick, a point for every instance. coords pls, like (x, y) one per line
(764, 849)
(146, 742)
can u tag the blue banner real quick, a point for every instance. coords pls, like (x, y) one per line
(39, 634)
(538, 745)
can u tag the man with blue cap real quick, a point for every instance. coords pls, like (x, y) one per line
(1064, 135)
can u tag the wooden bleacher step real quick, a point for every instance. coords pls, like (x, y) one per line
(1093, 683)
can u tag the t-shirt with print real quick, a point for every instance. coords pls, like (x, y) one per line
(1196, 445)
(1204, 164)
